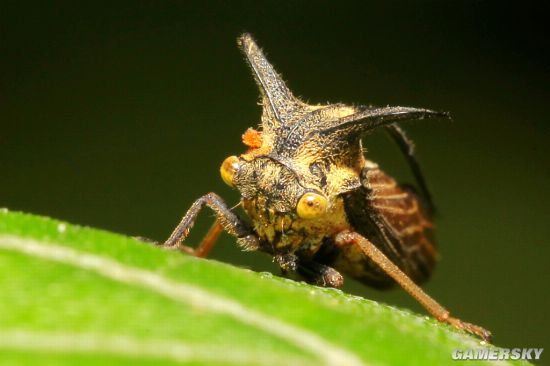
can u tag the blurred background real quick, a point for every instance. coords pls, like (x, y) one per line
(117, 115)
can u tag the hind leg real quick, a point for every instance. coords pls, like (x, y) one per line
(346, 238)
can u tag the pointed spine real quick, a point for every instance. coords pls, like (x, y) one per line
(274, 91)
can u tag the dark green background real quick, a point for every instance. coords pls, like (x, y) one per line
(117, 115)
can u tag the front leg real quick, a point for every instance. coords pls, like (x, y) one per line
(320, 274)
(311, 271)
(225, 219)
(439, 312)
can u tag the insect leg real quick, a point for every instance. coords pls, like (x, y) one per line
(209, 240)
(439, 312)
(225, 219)
(407, 148)
(313, 272)
(320, 274)
(287, 262)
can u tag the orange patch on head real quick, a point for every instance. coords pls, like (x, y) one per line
(252, 138)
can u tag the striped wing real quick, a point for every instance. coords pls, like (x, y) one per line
(391, 217)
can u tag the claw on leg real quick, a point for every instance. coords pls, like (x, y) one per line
(470, 328)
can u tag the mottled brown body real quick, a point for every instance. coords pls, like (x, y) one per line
(316, 204)
(383, 211)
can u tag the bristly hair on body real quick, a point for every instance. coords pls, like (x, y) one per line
(316, 204)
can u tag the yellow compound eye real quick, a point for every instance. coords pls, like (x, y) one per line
(311, 205)
(229, 168)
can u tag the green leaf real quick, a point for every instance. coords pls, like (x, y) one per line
(73, 295)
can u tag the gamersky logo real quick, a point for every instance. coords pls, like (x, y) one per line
(498, 354)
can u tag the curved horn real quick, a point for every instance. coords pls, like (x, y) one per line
(367, 119)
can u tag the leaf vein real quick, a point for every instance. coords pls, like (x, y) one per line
(328, 353)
